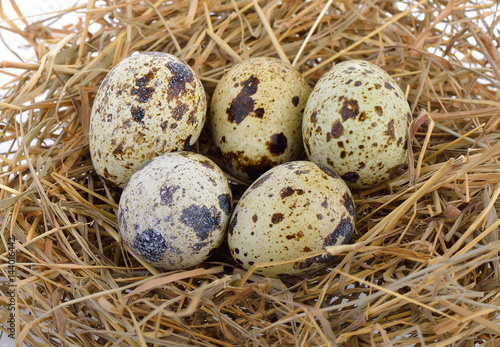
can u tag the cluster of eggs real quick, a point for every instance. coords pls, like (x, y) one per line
(176, 205)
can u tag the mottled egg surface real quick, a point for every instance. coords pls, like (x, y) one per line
(148, 104)
(356, 122)
(175, 210)
(256, 116)
(292, 210)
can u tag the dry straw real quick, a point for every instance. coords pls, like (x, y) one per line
(424, 266)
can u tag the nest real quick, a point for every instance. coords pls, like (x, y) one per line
(423, 266)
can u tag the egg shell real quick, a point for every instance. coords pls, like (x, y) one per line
(148, 104)
(292, 210)
(175, 210)
(356, 122)
(256, 116)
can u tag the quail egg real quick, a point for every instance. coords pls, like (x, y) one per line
(256, 116)
(356, 122)
(175, 210)
(148, 104)
(293, 209)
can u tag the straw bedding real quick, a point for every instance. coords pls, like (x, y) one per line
(423, 268)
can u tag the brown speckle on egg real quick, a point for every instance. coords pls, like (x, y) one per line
(277, 144)
(243, 104)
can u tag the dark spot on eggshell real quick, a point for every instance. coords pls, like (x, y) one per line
(150, 245)
(357, 83)
(295, 101)
(242, 105)
(400, 141)
(276, 218)
(187, 144)
(328, 171)
(324, 204)
(378, 86)
(314, 117)
(181, 75)
(232, 225)
(167, 194)
(277, 144)
(255, 218)
(288, 191)
(361, 165)
(320, 259)
(261, 180)
(259, 113)
(362, 116)
(350, 177)
(202, 219)
(343, 154)
(144, 93)
(199, 245)
(349, 204)
(137, 113)
(343, 230)
(306, 249)
(388, 85)
(251, 167)
(302, 172)
(390, 130)
(319, 216)
(207, 163)
(179, 111)
(164, 125)
(109, 118)
(118, 151)
(225, 203)
(223, 139)
(295, 236)
(379, 111)
(173, 125)
(350, 109)
(336, 132)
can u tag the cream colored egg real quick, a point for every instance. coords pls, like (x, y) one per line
(292, 210)
(356, 122)
(148, 104)
(175, 210)
(256, 116)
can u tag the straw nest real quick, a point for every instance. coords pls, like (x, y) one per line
(423, 268)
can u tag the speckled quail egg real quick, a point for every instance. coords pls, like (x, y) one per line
(356, 122)
(293, 209)
(148, 104)
(256, 116)
(175, 210)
